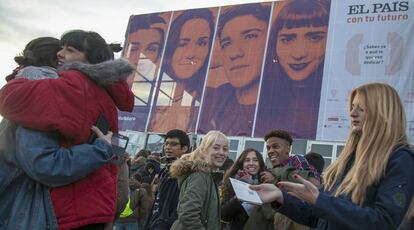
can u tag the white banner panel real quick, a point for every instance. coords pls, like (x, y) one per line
(368, 41)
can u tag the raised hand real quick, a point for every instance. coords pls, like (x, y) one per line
(267, 177)
(305, 191)
(244, 176)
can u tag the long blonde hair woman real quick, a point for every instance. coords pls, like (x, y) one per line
(198, 206)
(374, 141)
(371, 185)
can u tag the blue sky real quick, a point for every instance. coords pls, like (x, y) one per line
(24, 20)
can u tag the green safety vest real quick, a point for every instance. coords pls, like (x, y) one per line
(127, 210)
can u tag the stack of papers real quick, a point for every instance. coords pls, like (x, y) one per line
(244, 193)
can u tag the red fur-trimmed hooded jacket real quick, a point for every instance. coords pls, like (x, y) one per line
(70, 105)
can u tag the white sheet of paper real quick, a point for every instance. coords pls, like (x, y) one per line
(244, 193)
(249, 207)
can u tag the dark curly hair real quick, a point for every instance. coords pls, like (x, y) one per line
(282, 134)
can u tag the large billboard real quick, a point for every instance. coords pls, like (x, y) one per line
(247, 69)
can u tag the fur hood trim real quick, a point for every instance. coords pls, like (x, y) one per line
(181, 168)
(104, 73)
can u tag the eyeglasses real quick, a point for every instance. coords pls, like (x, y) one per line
(172, 144)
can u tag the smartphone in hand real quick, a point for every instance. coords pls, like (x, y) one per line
(103, 124)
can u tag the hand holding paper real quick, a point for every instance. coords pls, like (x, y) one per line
(244, 193)
(268, 193)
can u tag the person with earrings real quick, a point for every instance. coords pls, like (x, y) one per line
(371, 184)
(292, 78)
(183, 71)
(236, 214)
(198, 203)
(69, 105)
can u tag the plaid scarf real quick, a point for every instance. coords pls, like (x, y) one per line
(299, 162)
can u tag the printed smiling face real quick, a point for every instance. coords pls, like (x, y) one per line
(192, 48)
(242, 42)
(301, 50)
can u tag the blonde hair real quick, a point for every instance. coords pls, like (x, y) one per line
(208, 140)
(384, 129)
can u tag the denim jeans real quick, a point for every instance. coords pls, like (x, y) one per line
(126, 226)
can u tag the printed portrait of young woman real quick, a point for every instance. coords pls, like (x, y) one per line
(183, 70)
(291, 85)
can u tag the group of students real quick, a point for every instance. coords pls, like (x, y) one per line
(370, 185)
(53, 177)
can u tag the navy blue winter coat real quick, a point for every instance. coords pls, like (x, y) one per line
(164, 210)
(384, 207)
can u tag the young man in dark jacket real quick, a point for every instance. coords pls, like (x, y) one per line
(164, 210)
(278, 145)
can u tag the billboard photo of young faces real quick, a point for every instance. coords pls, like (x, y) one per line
(251, 68)
(183, 70)
(292, 79)
(231, 94)
(144, 42)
